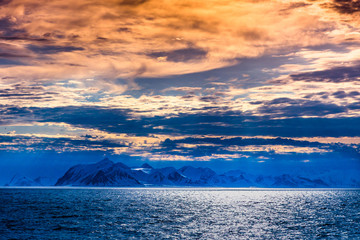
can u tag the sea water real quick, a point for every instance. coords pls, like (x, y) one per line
(179, 214)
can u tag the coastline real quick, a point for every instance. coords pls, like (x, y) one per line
(179, 188)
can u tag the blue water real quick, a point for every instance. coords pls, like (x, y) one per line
(179, 214)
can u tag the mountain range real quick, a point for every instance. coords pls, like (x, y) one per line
(109, 174)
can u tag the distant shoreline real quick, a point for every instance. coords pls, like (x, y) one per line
(181, 188)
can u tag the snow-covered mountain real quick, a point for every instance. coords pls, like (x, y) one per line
(235, 178)
(22, 181)
(200, 176)
(103, 173)
(146, 168)
(108, 173)
(45, 181)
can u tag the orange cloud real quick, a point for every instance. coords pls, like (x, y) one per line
(106, 40)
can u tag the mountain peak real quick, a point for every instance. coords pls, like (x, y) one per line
(146, 165)
(18, 180)
(104, 162)
(103, 173)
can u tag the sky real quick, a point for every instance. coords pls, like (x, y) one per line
(252, 84)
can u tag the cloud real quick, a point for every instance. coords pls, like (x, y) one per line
(115, 70)
(336, 75)
(293, 5)
(51, 49)
(180, 55)
(344, 6)
(10, 62)
(211, 122)
(354, 106)
(132, 2)
(343, 94)
(239, 141)
(4, 2)
(8, 28)
(58, 144)
(11, 55)
(182, 89)
(110, 120)
(114, 39)
(184, 148)
(231, 148)
(232, 124)
(286, 107)
(21, 91)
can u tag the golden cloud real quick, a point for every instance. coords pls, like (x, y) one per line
(106, 40)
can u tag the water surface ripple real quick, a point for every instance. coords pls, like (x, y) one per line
(179, 214)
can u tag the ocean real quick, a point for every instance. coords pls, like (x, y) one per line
(178, 213)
